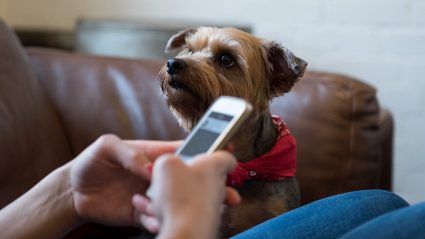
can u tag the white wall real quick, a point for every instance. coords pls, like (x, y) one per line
(379, 41)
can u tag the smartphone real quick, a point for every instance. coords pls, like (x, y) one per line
(214, 130)
(216, 127)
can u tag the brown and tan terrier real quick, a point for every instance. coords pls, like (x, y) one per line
(227, 61)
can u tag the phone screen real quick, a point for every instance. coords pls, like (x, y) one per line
(205, 136)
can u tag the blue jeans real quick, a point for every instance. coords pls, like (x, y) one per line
(360, 214)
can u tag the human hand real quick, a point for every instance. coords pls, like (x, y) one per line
(184, 195)
(105, 176)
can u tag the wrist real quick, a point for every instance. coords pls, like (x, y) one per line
(64, 198)
(191, 223)
(45, 211)
(57, 208)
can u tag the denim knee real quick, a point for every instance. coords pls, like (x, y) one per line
(329, 217)
(407, 222)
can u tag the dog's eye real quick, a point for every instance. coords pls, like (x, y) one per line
(226, 60)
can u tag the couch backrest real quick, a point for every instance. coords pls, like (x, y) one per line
(335, 118)
(32, 142)
(97, 95)
(341, 132)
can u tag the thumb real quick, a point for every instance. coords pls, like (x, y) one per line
(219, 162)
(224, 162)
(233, 198)
(115, 150)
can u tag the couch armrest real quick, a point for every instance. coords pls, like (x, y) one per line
(344, 141)
(386, 124)
(32, 142)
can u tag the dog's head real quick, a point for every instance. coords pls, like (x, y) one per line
(225, 61)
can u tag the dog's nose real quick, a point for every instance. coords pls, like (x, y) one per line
(175, 65)
(301, 66)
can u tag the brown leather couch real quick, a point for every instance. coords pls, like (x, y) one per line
(54, 103)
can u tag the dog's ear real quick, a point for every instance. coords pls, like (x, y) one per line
(284, 68)
(178, 40)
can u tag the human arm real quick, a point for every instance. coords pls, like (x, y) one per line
(45, 211)
(95, 186)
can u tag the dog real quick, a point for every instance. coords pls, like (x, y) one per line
(226, 61)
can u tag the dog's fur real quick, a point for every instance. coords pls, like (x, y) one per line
(226, 61)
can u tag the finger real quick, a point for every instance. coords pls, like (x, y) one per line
(153, 149)
(220, 161)
(231, 148)
(168, 164)
(143, 205)
(140, 202)
(225, 161)
(233, 198)
(150, 223)
(128, 156)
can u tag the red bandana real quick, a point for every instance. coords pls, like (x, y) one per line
(275, 165)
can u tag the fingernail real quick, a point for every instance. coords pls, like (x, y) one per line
(149, 167)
